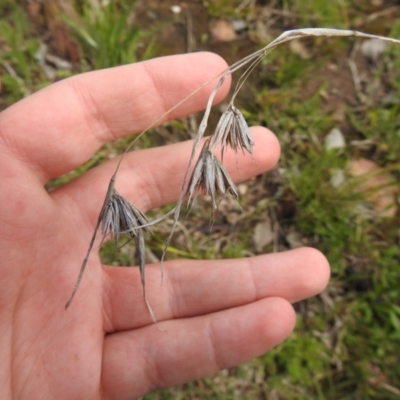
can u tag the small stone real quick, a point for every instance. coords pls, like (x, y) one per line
(238, 24)
(222, 30)
(263, 235)
(176, 9)
(373, 49)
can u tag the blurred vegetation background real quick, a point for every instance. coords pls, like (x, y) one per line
(334, 104)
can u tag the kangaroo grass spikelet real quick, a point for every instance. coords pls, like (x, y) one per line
(232, 132)
(118, 216)
(211, 178)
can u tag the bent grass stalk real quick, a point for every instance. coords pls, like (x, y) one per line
(209, 175)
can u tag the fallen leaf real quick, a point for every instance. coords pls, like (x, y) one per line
(64, 43)
(294, 239)
(263, 235)
(379, 185)
(222, 30)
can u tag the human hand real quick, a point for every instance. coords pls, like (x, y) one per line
(214, 314)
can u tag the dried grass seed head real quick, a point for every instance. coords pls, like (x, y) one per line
(211, 178)
(232, 131)
(119, 216)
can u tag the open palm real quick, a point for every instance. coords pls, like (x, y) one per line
(212, 314)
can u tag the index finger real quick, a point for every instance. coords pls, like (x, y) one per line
(62, 126)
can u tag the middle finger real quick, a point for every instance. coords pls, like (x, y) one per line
(193, 288)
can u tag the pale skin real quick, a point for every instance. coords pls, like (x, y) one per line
(212, 314)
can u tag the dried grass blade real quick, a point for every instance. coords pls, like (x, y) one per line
(209, 177)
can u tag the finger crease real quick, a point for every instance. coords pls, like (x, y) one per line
(252, 281)
(213, 346)
(94, 119)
